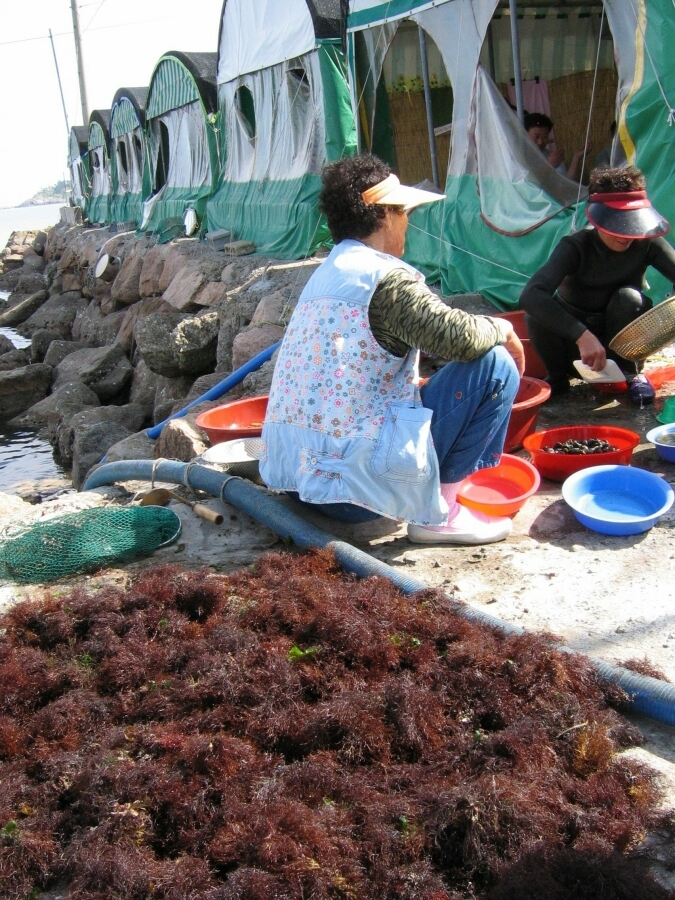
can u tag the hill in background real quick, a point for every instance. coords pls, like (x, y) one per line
(57, 193)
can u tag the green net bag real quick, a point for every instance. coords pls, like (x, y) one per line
(85, 541)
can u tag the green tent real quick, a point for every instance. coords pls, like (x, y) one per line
(181, 127)
(506, 207)
(78, 164)
(128, 152)
(284, 103)
(98, 203)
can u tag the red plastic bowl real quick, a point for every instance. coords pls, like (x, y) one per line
(239, 419)
(534, 367)
(501, 490)
(531, 394)
(557, 466)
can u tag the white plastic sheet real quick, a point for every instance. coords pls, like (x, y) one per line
(79, 181)
(100, 171)
(287, 138)
(129, 148)
(260, 34)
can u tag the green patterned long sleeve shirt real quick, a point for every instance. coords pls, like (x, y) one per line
(404, 313)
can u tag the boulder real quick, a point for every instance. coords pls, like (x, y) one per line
(254, 340)
(131, 417)
(143, 387)
(125, 287)
(151, 272)
(211, 294)
(58, 350)
(40, 242)
(174, 261)
(23, 387)
(57, 314)
(170, 393)
(32, 261)
(125, 333)
(40, 342)
(202, 385)
(62, 404)
(235, 315)
(22, 311)
(72, 282)
(12, 261)
(181, 439)
(184, 287)
(14, 359)
(94, 328)
(106, 370)
(137, 446)
(172, 344)
(91, 445)
(6, 346)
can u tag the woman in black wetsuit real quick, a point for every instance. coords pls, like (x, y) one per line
(592, 285)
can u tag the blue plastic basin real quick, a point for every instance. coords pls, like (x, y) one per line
(667, 451)
(617, 499)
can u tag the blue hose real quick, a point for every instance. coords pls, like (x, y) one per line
(219, 389)
(649, 696)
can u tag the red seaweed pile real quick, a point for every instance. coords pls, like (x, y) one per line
(292, 732)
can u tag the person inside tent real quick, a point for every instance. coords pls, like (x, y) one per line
(539, 127)
(592, 285)
(348, 427)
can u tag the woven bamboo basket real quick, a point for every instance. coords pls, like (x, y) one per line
(649, 333)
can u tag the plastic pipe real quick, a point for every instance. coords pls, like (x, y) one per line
(219, 389)
(649, 696)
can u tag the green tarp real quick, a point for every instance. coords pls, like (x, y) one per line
(172, 86)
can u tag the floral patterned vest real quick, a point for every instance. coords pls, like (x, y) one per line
(345, 421)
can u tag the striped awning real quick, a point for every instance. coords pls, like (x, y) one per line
(123, 118)
(365, 13)
(171, 86)
(96, 136)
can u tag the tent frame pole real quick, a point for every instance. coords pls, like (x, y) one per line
(515, 44)
(427, 104)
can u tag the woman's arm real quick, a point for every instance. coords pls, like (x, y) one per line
(539, 294)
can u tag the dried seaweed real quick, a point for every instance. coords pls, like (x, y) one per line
(289, 731)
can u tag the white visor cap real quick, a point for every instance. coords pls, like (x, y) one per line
(391, 192)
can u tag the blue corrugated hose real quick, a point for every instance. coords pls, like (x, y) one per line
(650, 697)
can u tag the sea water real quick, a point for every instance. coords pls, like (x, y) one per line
(27, 218)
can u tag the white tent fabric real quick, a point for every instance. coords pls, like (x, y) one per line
(128, 148)
(515, 182)
(78, 179)
(189, 160)
(258, 35)
(289, 139)
(100, 171)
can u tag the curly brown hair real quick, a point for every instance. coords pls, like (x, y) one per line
(340, 198)
(611, 180)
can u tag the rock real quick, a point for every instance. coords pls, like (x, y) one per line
(23, 387)
(131, 417)
(94, 328)
(58, 350)
(202, 385)
(57, 314)
(15, 315)
(125, 333)
(254, 340)
(40, 242)
(172, 344)
(40, 342)
(235, 315)
(170, 393)
(30, 283)
(32, 261)
(181, 439)
(258, 383)
(14, 359)
(184, 287)
(90, 446)
(174, 261)
(106, 370)
(12, 261)
(270, 310)
(9, 280)
(125, 287)
(62, 404)
(56, 286)
(151, 272)
(72, 282)
(6, 346)
(143, 387)
(211, 294)
(137, 446)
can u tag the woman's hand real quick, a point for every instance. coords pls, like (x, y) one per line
(515, 348)
(592, 352)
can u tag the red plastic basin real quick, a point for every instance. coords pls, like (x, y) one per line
(531, 394)
(557, 466)
(239, 419)
(534, 367)
(501, 490)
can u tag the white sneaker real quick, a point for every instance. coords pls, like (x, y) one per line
(468, 527)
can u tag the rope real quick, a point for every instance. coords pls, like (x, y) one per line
(469, 253)
(590, 115)
(638, 19)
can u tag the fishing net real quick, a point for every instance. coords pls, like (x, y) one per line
(85, 541)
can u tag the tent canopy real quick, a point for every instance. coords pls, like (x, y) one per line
(181, 78)
(78, 142)
(275, 30)
(128, 110)
(99, 129)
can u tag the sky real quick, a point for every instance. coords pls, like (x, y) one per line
(122, 40)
